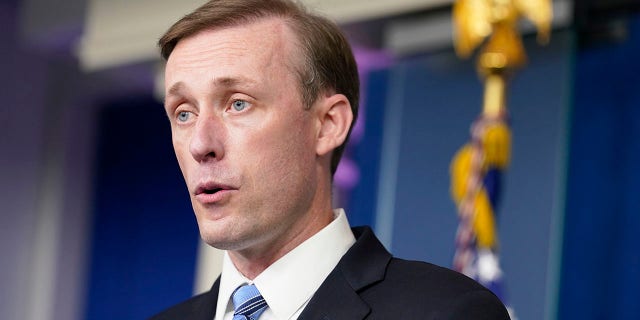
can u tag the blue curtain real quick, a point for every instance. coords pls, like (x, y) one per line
(145, 236)
(601, 249)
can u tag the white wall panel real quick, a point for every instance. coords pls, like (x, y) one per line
(345, 11)
(119, 32)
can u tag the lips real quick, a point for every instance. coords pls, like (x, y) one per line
(212, 192)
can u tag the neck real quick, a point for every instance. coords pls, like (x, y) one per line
(251, 261)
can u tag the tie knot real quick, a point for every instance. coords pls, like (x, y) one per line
(248, 303)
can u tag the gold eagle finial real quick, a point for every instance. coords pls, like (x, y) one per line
(476, 20)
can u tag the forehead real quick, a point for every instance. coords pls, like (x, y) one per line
(265, 43)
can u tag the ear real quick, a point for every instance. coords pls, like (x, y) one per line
(334, 113)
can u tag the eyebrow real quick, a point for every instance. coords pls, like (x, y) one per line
(232, 81)
(177, 88)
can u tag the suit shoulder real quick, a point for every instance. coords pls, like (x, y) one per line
(418, 273)
(432, 290)
(189, 309)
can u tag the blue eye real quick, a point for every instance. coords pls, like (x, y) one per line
(183, 116)
(239, 105)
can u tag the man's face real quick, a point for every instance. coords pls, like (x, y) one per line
(243, 139)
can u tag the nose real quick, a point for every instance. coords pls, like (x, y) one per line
(207, 139)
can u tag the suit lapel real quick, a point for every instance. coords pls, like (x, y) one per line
(200, 307)
(335, 299)
(205, 308)
(338, 297)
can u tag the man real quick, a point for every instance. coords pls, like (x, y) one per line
(261, 97)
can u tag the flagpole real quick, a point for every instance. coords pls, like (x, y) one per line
(477, 168)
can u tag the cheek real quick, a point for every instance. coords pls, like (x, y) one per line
(278, 154)
(289, 141)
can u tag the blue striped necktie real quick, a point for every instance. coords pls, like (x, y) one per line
(248, 303)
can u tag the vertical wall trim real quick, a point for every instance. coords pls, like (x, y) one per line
(554, 262)
(391, 138)
(49, 199)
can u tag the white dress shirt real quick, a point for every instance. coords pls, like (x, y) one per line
(290, 282)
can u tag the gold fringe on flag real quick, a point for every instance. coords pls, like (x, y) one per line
(477, 166)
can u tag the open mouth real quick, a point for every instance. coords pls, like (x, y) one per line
(212, 191)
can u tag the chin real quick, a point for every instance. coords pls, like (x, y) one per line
(215, 234)
(215, 240)
(212, 233)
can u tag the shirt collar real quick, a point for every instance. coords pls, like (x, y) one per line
(230, 279)
(288, 284)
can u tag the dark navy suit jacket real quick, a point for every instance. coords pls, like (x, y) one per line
(368, 283)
